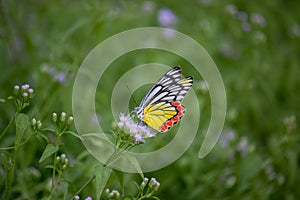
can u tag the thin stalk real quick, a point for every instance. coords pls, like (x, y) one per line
(8, 126)
(53, 185)
(84, 185)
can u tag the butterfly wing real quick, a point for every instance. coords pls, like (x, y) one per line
(163, 115)
(169, 88)
(161, 107)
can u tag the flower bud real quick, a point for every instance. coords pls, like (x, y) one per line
(154, 184)
(25, 95)
(115, 194)
(145, 180)
(63, 117)
(107, 192)
(16, 89)
(77, 197)
(54, 117)
(70, 120)
(30, 92)
(25, 87)
(33, 122)
(63, 156)
(144, 183)
(39, 124)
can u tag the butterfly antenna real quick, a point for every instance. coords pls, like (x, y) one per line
(132, 96)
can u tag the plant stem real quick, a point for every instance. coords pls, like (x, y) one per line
(6, 148)
(10, 177)
(8, 126)
(53, 185)
(82, 187)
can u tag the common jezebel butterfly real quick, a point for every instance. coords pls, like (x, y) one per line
(161, 107)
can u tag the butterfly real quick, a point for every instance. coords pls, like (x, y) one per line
(161, 107)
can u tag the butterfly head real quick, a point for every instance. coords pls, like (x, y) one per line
(139, 112)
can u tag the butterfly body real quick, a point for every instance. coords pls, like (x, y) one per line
(161, 107)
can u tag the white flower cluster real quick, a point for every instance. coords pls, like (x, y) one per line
(139, 131)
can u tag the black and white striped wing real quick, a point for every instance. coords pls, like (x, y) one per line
(171, 87)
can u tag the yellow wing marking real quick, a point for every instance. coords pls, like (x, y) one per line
(186, 82)
(157, 114)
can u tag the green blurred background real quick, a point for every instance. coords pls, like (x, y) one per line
(255, 44)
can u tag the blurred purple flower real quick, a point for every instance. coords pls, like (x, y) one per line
(45, 68)
(231, 9)
(18, 43)
(272, 175)
(148, 7)
(77, 197)
(61, 77)
(258, 19)
(166, 17)
(226, 137)
(246, 27)
(243, 146)
(243, 16)
(227, 50)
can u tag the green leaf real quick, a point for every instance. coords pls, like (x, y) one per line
(25, 105)
(49, 150)
(134, 162)
(22, 122)
(44, 137)
(98, 145)
(102, 175)
(64, 187)
(120, 176)
(74, 134)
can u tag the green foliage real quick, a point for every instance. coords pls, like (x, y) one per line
(255, 45)
(49, 151)
(102, 175)
(22, 123)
